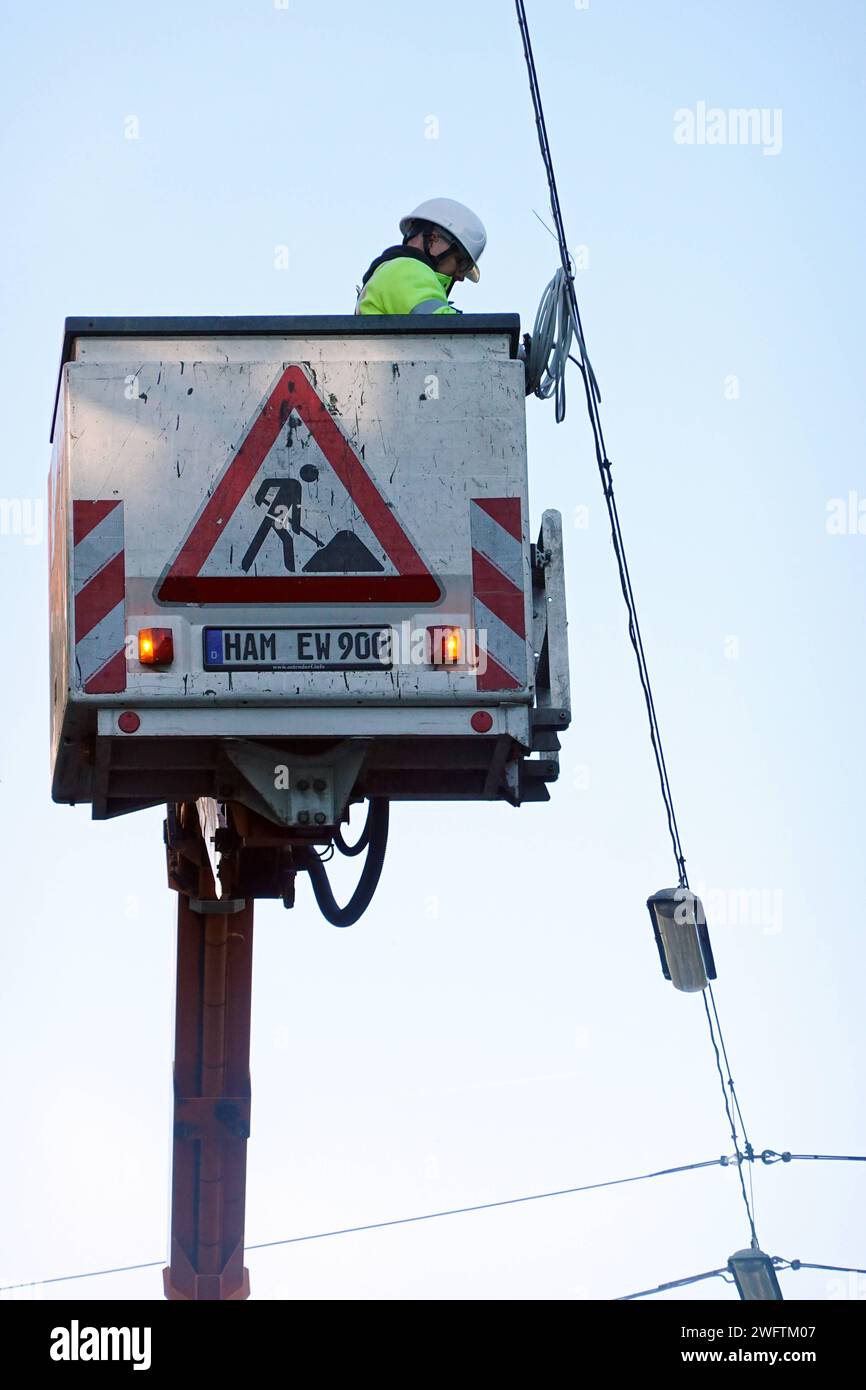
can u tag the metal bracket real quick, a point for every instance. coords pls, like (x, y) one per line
(539, 557)
(217, 907)
(497, 765)
(540, 769)
(291, 789)
(548, 717)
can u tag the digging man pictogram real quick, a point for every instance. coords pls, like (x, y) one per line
(345, 553)
(283, 516)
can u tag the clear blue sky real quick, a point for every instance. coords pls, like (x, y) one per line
(515, 1034)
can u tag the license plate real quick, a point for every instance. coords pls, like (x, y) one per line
(297, 648)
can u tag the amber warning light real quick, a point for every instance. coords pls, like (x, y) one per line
(446, 645)
(155, 646)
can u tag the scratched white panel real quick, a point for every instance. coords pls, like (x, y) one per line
(432, 433)
(270, 348)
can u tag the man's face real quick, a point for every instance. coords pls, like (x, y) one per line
(453, 265)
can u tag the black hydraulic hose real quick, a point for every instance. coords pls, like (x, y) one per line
(363, 840)
(360, 900)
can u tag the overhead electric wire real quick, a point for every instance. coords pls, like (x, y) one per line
(87, 1274)
(731, 1085)
(488, 1206)
(401, 1220)
(769, 1156)
(777, 1261)
(674, 1284)
(725, 1055)
(593, 396)
(559, 309)
(731, 1121)
(749, 1151)
(833, 1269)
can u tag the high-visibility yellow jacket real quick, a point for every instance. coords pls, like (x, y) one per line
(402, 281)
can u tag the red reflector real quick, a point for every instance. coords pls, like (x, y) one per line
(128, 722)
(445, 646)
(155, 646)
(481, 721)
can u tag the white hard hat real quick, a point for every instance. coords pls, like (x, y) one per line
(456, 219)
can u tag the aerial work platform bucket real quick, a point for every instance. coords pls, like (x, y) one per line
(290, 570)
(291, 566)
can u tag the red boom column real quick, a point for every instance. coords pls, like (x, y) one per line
(211, 1103)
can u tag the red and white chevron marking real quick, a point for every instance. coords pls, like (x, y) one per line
(499, 608)
(99, 584)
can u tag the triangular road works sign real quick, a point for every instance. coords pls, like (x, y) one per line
(313, 530)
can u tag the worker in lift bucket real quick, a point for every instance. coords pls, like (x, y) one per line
(442, 243)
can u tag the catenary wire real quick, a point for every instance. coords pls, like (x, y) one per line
(488, 1206)
(401, 1221)
(558, 320)
(564, 282)
(675, 1284)
(778, 1263)
(834, 1269)
(770, 1156)
(749, 1151)
(85, 1274)
(485, 1206)
(731, 1122)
